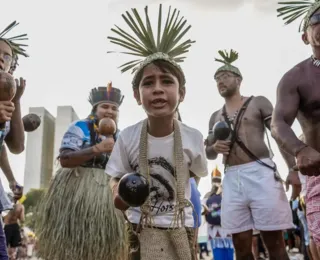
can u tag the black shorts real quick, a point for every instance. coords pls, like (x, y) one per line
(13, 236)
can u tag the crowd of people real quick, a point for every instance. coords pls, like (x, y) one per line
(132, 193)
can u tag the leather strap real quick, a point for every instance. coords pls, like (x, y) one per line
(236, 139)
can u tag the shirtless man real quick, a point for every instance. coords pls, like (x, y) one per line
(12, 222)
(298, 96)
(253, 196)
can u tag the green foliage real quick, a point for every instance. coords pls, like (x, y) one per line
(145, 44)
(33, 198)
(292, 10)
(227, 57)
(17, 47)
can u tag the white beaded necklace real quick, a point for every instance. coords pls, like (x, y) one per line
(315, 61)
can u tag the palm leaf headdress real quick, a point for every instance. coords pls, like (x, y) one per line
(227, 59)
(292, 10)
(166, 46)
(14, 41)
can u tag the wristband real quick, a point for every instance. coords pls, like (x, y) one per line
(300, 149)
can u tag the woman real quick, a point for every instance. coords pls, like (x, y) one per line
(77, 218)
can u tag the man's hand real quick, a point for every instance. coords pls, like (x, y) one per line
(21, 85)
(118, 202)
(16, 189)
(294, 181)
(6, 111)
(12, 185)
(308, 161)
(105, 146)
(222, 147)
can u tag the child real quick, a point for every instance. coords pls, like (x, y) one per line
(164, 150)
(220, 240)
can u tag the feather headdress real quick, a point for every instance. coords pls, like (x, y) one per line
(17, 47)
(105, 94)
(216, 175)
(227, 60)
(292, 10)
(166, 46)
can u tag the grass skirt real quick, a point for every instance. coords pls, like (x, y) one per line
(77, 219)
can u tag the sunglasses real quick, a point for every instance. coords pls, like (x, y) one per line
(315, 19)
(6, 57)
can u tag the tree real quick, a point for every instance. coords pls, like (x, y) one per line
(33, 197)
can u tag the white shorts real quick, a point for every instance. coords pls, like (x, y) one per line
(253, 199)
(29, 250)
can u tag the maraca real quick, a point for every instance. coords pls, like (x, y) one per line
(31, 122)
(220, 131)
(107, 127)
(133, 189)
(8, 86)
(8, 89)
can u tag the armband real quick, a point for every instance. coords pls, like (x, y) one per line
(267, 118)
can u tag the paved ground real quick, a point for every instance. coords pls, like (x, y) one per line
(293, 256)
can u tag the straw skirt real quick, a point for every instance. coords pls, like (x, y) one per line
(77, 220)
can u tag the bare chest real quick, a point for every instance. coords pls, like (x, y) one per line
(309, 91)
(248, 120)
(249, 128)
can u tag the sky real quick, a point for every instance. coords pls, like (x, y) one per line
(68, 56)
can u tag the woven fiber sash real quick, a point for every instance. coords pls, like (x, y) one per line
(172, 243)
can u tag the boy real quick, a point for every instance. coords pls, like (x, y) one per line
(162, 149)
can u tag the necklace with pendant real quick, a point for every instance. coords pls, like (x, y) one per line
(233, 118)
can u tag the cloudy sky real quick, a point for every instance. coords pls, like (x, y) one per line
(68, 55)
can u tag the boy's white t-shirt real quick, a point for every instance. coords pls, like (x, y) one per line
(125, 157)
